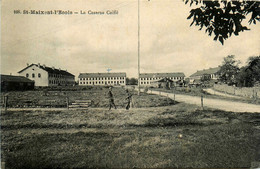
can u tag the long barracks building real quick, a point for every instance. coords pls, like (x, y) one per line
(47, 76)
(147, 79)
(113, 79)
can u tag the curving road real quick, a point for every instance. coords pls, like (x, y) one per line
(213, 103)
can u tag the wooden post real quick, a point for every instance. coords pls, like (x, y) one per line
(253, 96)
(174, 98)
(167, 99)
(5, 102)
(202, 102)
(67, 101)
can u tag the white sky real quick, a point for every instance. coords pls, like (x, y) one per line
(93, 43)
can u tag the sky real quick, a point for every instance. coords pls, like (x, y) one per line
(84, 43)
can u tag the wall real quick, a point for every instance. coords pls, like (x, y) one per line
(42, 81)
(249, 92)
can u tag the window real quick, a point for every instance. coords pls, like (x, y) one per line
(39, 75)
(33, 75)
(27, 74)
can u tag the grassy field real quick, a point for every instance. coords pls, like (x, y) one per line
(57, 97)
(176, 136)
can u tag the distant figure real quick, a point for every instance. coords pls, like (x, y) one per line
(111, 98)
(128, 99)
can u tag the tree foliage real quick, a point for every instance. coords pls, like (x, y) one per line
(229, 70)
(223, 18)
(131, 81)
(249, 74)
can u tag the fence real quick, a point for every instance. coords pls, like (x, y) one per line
(65, 102)
(249, 92)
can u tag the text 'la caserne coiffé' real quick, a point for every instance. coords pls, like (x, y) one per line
(66, 12)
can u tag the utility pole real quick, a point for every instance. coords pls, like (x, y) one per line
(138, 48)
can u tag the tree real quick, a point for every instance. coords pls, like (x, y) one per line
(229, 70)
(250, 74)
(132, 81)
(222, 17)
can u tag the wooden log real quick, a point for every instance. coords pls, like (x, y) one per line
(83, 101)
(80, 103)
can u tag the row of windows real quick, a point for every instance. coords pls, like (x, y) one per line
(102, 82)
(103, 78)
(33, 75)
(158, 78)
(58, 82)
(145, 82)
(39, 75)
(57, 75)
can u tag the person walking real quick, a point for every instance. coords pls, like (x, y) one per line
(128, 99)
(111, 99)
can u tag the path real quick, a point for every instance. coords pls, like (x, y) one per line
(212, 103)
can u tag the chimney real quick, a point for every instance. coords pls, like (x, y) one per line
(27, 64)
(53, 67)
(43, 65)
(59, 69)
(39, 64)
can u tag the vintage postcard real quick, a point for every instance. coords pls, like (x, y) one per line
(130, 84)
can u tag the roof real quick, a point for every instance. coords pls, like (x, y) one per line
(177, 74)
(206, 71)
(10, 78)
(84, 75)
(49, 70)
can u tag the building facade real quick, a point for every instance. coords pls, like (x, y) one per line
(113, 79)
(148, 79)
(47, 76)
(212, 73)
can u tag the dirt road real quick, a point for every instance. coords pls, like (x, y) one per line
(212, 103)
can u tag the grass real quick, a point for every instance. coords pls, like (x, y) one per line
(141, 137)
(98, 95)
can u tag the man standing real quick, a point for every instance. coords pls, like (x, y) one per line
(111, 98)
(128, 99)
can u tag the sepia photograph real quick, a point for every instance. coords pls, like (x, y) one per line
(130, 84)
